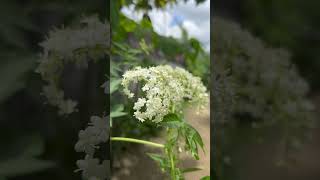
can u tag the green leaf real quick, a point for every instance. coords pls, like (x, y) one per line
(127, 24)
(146, 24)
(117, 111)
(134, 51)
(114, 13)
(35, 146)
(114, 85)
(12, 73)
(196, 136)
(193, 139)
(156, 157)
(171, 117)
(159, 159)
(205, 178)
(172, 121)
(25, 162)
(117, 107)
(192, 147)
(191, 170)
(119, 46)
(114, 69)
(23, 165)
(117, 114)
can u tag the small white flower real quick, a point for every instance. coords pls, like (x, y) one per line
(139, 104)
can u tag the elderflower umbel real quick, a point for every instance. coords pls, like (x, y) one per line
(88, 40)
(166, 89)
(89, 139)
(263, 81)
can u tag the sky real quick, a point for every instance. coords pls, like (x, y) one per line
(195, 19)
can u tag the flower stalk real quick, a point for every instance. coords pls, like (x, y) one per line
(138, 141)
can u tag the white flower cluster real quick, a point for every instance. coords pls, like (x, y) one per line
(223, 93)
(89, 139)
(165, 88)
(89, 40)
(268, 86)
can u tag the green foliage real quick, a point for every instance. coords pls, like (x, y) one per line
(178, 131)
(23, 26)
(12, 74)
(187, 170)
(193, 140)
(117, 111)
(146, 5)
(205, 178)
(197, 62)
(292, 24)
(114, 85)
(12, 29)
(26, 161)
(161, 160)
(185, 51)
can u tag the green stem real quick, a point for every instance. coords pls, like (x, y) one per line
(171, 154)
(172, 167)
(137, 141)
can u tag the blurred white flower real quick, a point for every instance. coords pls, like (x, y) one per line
(97, 132)
(90, 40)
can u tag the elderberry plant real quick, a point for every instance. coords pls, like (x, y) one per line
(167, 92)
(96, 133)
(260, 85)
(87, 41)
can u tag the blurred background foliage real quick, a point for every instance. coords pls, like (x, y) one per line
(291, 24)
(146, 5)
(35, 143)
(185, 51)
(294, 26)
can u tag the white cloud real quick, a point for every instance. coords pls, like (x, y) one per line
(129, 12)
(194, 18)
(161, 22)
